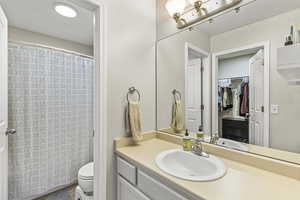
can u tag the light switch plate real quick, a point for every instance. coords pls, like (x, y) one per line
(274, 109)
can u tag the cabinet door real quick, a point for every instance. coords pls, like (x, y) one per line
(129, 192)
(155, 189)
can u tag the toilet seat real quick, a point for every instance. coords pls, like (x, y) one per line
(86, 172)
(86, 178)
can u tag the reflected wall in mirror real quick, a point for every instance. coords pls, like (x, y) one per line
(183, 65)
(248, 87)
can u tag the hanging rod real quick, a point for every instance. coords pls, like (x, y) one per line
(48, 47)
(238, 77)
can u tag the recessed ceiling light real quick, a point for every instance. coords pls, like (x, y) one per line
(65, 10)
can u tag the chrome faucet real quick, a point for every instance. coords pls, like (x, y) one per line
(197, 148)
(214, 139)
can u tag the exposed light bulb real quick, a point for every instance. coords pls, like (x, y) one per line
(197, 4)
(175, 6)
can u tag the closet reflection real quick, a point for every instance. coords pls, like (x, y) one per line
(233, 106)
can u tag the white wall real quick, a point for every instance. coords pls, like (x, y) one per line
(131, 62)
(234, 67)
(284, 127)
(17, 34)
(171, 70)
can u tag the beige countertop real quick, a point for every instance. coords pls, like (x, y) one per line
(241, 182)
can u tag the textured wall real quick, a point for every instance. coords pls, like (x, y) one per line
(171, 70)
(131, 62)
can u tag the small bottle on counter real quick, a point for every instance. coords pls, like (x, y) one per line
(187, 141)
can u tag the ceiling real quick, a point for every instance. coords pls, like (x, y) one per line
(39, 16)
(251, 13)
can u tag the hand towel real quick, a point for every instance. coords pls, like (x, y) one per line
(177, 123)
(135, 121)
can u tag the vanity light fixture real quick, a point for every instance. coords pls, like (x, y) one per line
(65, 10)
(197, 4)
(197, 11)
(175, 8)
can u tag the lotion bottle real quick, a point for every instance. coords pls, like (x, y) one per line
(187, 141)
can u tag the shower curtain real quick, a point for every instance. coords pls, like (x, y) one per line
(51, 107)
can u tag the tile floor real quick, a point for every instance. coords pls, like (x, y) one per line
(64, 194)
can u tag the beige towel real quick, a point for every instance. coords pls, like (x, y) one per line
(177, 123)
(135, 121)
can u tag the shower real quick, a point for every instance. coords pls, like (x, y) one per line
(51, 101)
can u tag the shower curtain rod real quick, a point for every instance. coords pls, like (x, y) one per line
(48, 47)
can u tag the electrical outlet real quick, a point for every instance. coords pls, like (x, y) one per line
(274, 109)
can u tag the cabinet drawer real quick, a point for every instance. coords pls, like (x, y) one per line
(126, 170)
(156, 190)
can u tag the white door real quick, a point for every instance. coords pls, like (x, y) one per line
(127, 192)
(256, 100)
(193, 95)
(3, 106)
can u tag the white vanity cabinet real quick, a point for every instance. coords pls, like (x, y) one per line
(135, 184)
(128, 192)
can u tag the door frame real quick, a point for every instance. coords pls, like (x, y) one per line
(99, 8)
(100, 136)
(4, 105)
(205, 99)
(215, 61)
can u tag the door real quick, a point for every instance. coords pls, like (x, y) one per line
(128, 192)
(3, 106)
(256, 100)
(193, 88)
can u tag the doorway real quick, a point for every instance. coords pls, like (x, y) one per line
(197, 87)
(241, 94)
(99, 46)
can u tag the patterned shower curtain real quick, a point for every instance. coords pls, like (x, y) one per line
(51, 107)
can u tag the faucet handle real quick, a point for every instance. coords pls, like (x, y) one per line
(197, 148)
(214, 139)
(197, 145)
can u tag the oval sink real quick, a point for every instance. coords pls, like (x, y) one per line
(189, 166)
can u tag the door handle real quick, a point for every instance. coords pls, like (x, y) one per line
(10, 132)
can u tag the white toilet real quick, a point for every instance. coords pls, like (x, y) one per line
(84, 190)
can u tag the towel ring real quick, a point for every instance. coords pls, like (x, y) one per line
(131, 91)
(176, 94)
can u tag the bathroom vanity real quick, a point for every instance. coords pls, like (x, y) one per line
(139, 178)
(134, 183)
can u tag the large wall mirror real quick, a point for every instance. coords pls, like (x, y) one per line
(234, 76)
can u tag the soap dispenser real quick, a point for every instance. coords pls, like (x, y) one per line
(187, 141)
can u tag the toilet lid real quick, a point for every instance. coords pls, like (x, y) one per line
(87, 171)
